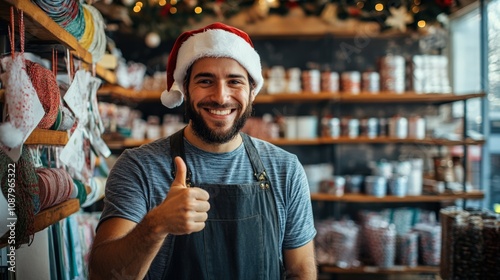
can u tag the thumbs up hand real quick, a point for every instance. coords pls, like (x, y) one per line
(185, 209)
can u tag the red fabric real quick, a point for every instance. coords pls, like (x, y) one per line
(172, 58)
(46, 87)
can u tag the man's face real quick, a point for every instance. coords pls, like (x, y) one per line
(218, 99)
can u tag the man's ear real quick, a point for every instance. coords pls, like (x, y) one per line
(252, 95)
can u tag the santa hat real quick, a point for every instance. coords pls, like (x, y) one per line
(214, 40)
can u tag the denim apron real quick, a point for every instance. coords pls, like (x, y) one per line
(241, 235)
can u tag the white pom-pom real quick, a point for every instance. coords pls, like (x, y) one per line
(10, 136)
(172, 98)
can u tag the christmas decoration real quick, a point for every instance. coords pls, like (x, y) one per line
(153, 40)
(434, 40)
(399, 18)
(128, 2)
(170, 18)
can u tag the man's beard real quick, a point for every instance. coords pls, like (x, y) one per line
(208, 135)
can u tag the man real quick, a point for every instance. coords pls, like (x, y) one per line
(208, 202)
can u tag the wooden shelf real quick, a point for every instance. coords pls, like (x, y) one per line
(129, 143)
(40, 25)
(378, 140)
(262, 98)
(52, 215)
(56, 213)
(130, 94)
(381, 97)
(47, 137)
(377, 270)
(363, 198)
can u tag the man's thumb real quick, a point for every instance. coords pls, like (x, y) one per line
(180, 172)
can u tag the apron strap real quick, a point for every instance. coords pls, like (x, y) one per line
(258, 168)
(177, 149)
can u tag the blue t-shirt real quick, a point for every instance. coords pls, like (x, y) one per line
(142, 176)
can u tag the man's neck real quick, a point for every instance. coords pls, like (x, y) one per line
(209, 147)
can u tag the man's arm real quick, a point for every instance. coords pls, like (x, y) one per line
(123, 249)
(300, 263)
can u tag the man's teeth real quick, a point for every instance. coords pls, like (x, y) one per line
(220, 112)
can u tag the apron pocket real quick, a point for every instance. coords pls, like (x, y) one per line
(234, 248)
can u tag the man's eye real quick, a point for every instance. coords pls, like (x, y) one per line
(235, 82)
(204, 81)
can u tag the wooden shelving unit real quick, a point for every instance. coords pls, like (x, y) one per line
(52, 215)
(56, 213)
(130, 143)
(263, 98)
(39, 25)
(381, 97)
(47, 137)
(130, 94)
(363, 198)
(378, 270)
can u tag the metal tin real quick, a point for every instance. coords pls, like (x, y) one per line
(398, 185)
(334, 125)
(372, 128)
(416, 128)
(351, 82)
(353, 128)
(329, 81)
(371, 82)
(398, 127)
(376, 185)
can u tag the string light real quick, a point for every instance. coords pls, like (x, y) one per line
(162, 2)
(136, 9)
(421, 23)
(173, 10)
(173, 2)
(139, 4)
(415, 9)
(198, 10)
(379, 7)
(360, 5)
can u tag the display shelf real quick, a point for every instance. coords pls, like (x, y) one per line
(52, 215)
(377, 270)
(41, 26)
(380, 97)
(47, 137)
(363, 198)
(130, 94)
(56, 213)
(263, 98)
(130, 143)
(377, 140)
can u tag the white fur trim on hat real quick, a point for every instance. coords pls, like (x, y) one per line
(172, 98)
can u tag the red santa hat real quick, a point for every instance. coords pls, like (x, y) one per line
(214, 40)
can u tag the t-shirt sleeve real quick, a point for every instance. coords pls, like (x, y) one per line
(125, 190)
(300, 228)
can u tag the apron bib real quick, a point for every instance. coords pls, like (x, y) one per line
(241, 236)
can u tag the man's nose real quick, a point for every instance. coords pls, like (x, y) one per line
(222, 93)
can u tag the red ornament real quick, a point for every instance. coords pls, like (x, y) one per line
(445, 3)
(353, 11)
(165, 10)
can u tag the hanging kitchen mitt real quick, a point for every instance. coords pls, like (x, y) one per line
(23, 108)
